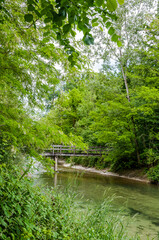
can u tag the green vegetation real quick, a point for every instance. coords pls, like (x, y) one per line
(118, 107)
(27, 213)
(50, 94)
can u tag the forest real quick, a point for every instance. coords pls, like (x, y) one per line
(78, 73)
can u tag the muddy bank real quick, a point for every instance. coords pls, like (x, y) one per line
(137, 175)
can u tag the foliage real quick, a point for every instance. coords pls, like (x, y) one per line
(119, 105)
(28, 77)
(64, 18)
(89, 161)
(28, 213)
(153, 174)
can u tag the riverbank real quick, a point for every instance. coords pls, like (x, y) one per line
(136, 175)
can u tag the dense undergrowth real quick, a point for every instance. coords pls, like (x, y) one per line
(28, 213)
(100, 163)
(88, 161)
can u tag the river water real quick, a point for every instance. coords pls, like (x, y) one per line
(139, 200)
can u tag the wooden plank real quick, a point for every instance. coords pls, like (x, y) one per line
(77, 155)
(71, 155)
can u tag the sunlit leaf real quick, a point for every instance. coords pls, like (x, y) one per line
(95, 24)
(119, 43)
(111, 5)
(121, 2)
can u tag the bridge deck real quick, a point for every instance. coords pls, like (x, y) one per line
(70, 154)
(60, 150)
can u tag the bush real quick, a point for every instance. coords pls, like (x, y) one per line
(27, 213)
(89, 161)
(153, 174)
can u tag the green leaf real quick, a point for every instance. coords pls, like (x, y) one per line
(3, 223)
(108, 24)
(71, 17)
(73, 33)
(62, 12)
(70, 58)
(58, 36)
(80, 25)
(66, 28)
(31, 2)
(94, 20)
(99, 2)
(111, 5)
(121, 2)
(83, 27)
(95, 24)
(38, 13)
(47, 20)
(88, 39)
(28, 17)
(111, 31)
(19, 209)
(31, 8)
(115, 38)
(119, 43)
(57, 18)
(45, 34)
(105, 19)
(13, 237)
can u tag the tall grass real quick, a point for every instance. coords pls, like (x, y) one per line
(28, 213)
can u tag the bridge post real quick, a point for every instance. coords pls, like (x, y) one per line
(74, 150)
(53, 150)
(55, 179)
(55, 166)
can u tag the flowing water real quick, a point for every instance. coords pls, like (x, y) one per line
(139, 200)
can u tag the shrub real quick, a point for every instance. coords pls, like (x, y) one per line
(153, 174)
(28, 213)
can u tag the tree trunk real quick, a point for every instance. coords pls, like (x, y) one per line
(128, 97)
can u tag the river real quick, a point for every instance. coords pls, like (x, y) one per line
(139, 200)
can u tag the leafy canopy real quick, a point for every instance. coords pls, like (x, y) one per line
(65, 17)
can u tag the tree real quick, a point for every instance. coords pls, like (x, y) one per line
(62, 18)
(108, 113)
(28, 76)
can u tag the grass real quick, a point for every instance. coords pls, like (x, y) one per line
(27, 213)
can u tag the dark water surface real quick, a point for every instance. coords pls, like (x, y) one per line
(137, 198)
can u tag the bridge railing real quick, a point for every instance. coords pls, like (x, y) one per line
(73, 150)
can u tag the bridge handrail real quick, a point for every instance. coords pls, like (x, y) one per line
(62, 150)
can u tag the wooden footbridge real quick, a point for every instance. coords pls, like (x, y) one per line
(68, 151)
